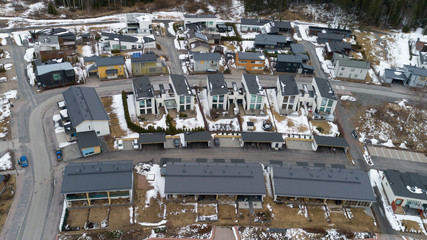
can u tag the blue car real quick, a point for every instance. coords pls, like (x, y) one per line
(23, 161)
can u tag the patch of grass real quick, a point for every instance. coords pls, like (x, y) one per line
(6, 198)
(321, 126)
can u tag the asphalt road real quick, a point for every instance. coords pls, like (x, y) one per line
(35, 193)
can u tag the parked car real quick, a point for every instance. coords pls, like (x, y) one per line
(135, 144)
(354, 134)
(58, 155)
(120, 144)
(23, 161)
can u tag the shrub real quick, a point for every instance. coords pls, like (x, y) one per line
(115, 51)
(227, 71)
(158, 46)
(2, 69)
(51, 9)
(320, 129)
(182, 115)
(406, 29)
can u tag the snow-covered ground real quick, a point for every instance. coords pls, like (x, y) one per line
(6, 161)
(3, 37)
(5, 99)
(333, 131)
(117, 107)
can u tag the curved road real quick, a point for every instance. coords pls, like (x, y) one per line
(28, 221)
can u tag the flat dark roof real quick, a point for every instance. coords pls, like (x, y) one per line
(331, 141)
(151, 138)
(97, 176)
(87, 139)
(202, 136)
(322, 183)
(261, 137)
(214, 178)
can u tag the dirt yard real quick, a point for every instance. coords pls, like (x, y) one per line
(206, 209)
(116, 131)
(6, 198)
(322, 126)
(179, 215)
(77, 217)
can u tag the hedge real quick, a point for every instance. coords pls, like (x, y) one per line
(171, 130)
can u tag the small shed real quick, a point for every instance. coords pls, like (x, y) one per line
(88, 143)
(274, 140)
(146, 139)
(200, 139)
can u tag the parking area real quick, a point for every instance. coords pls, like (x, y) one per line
(397, 154)
(229, 142)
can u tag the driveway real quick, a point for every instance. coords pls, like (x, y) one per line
(318, 72)
(168, 43)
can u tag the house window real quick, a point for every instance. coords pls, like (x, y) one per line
(242, 61)
(142, 111)
(342, 68)
(214, 106)
(284, 106)
(258, 106)
(259, 99)
(285, 99)
(188, 107)
(188, 99)
(56, 77)
(253, 98)
(292, 99)
(328, 110)
(323, 102)
(221, 98)
(252, 106)
(148, 102)
(221, 106)
(110, 67)
(181, 99)
(252, 61)
(98, 132)
(215, 98)
(398, 202)
(149, 111)
(142, 103)
(181, 107)
(355, 75)
(322, 109)
(330, 103)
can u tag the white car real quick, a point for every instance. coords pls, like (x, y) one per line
(135, 144)
(120, 144)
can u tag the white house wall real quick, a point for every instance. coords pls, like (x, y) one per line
(101, 127)
(350, 72)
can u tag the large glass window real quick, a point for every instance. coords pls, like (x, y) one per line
(149, 111)
(285, 99)
(330, 103)
(221, 98)
(221, 106)
(181, 107)
(188, 107)
(252, 106)
(253, 98)
(56, 77)
(323, 102)
(142, 103)
(258, 106)
(148, 102)
(322, 109)
(181, 99)
(215, 98)
(292, 99)
(259, 99)
(214, 106)
(328, 110)
(188, 99)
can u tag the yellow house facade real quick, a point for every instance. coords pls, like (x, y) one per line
(107, 67)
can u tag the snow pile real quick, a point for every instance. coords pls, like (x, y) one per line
(34, 8)
(247, 45)
(3, 37)
(6, 162)
(348, 98)
(327, 65)
(170, 28)
(87, 51)
(158, 182)
(333, 130)
(5, 109)
(30, 74)
(374, 77)
(117, 107)
(375, 177)
(367, 157)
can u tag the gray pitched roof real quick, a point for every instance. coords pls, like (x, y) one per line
(84, 104)
(325, 88)
(289, 58)
(90, 59)
(109, 61)
(196, 34)
(261, 137)
(253, 85)
(199, 16)
(150, 138)
(142, 87)
(331, 36)
(399, 183)
(144, 58)
(214, 178)
(97, 176)
(298, 48)
(282, 24)
(47, 68)
(202, 136)
(338, 47)
(250, 56)
(288, 85)
(395, 73)
(330, 141)
(346, 62)
(122, 38)
(322, 182)
(216, 84)
(269, 39)
(416, 70)
(87, 139)
(48, 39)
(181, 85)
(253, 21)
(206, 56)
